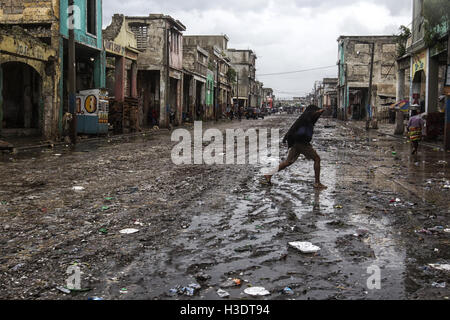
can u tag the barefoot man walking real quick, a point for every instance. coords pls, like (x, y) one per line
(299, 142)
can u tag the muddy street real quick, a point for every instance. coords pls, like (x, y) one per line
(221, 227)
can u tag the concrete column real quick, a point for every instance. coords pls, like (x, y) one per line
(203, 101)
(120, 76)
(47, 107)
(1, 98)
(163, 85)
(192, 98)
(400, 84)
(432, 85)
(180, 95)
(134, 73)
(399, 118)
(447, 108)
(100, 70)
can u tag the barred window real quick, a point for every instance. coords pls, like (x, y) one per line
(142, 36)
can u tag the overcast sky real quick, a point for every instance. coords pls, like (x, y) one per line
(287, 35)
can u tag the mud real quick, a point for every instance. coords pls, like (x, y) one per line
(210, 224)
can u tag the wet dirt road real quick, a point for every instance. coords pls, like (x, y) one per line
(208, 224)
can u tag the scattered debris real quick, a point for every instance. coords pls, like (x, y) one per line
(441, 267)
(256, 291)
(17, 267)
(230, 283)
(129, 231)
(288, 291)
(63, 290)
(189, 291)
(222, 293)
(78, 188)
(439, 285)
(305, 247)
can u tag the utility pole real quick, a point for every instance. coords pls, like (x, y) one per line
(237, 93)
(72, 71)
(369, 109)
(167, 95)
(216, 100)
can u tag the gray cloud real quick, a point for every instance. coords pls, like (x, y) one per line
(286, 34)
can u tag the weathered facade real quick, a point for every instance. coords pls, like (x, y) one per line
(160, 66)
(195, 63)
(29, 80)
(219, 64)
(259, 94)
(354, 75)
(90, 59)
(329, 96)
(29, 68)
(427, 69)
(126, 112)
(244, 62)
(269, 97)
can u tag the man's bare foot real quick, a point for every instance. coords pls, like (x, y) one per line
(268, 179)
(320, 186)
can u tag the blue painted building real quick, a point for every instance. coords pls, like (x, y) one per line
(90, 54)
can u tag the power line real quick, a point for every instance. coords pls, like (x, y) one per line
(299, 71)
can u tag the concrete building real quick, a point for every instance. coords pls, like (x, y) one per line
(160, 66)
(244, 62)
(195, 64)
(329, 96)
(29, 95)
(268, 97)
(259, 91)
(29, 78)
(48, 21)
(354, 75)
(219, 64)
(120, 44)
(426, 67)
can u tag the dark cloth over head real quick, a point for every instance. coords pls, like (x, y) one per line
(303, 129)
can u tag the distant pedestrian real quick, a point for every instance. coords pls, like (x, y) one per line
(415, 129)
(299, 139)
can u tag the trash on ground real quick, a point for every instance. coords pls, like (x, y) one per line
(95, 298)
(187, 291)
(78, 188)
(305, 247)
(64, 290)
(256, 291)
(123, 290)
(442, 267)
(439, 285)
(129, 231)
(288, 291)
(230, 283)
(222, 293)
